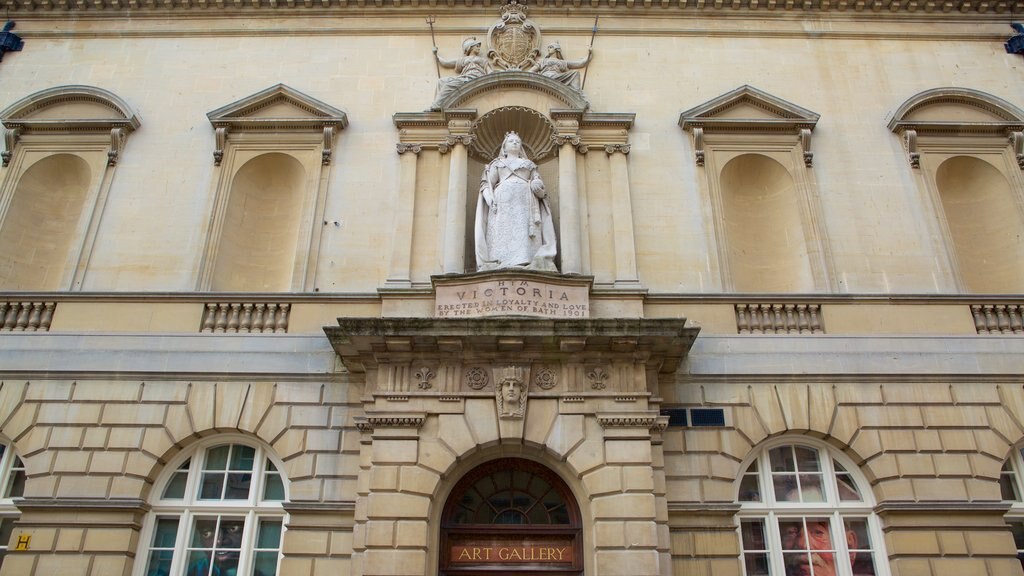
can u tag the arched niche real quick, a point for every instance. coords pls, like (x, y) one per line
(764, 232)
(40, 225)
(984, 223)
(513, 515)
(257, 247)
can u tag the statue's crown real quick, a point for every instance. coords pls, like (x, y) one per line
(514, 373)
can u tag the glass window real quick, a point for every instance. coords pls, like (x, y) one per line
(1011, 487)
(803, 514)
(219, 514)
(12, 481)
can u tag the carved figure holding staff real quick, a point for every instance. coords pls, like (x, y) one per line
(471, 65)
(514, 227)
(556, 67)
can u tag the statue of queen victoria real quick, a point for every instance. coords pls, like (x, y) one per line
(513, 228)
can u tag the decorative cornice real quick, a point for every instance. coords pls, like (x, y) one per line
(648, 420)
(82, 504)
(942, 507)
(344, 507)
(866, 8)
(372, 422)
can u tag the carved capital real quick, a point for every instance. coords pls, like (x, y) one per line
(11, 136)
(117, 139)
(805, 145)
(464, 139)
(221, 137)
(403, 147)
(912, 152)
(613, 148)
(328, 144)
(563, 139)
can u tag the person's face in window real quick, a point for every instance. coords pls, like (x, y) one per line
(815, 546)
(226, 541)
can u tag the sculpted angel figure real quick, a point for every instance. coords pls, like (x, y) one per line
(471, 65)
(556, 67)
(514, 227)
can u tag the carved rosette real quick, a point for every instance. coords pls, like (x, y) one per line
(546, 378)
(477, 378)
(510, 392)
(514, 41)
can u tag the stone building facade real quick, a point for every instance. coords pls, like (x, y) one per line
(245, 327)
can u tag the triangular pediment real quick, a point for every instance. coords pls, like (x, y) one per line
(279, 106)
(747, 108)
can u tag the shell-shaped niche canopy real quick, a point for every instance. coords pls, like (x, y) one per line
(534, 128)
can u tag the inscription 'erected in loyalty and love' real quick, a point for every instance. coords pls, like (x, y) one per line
(512, 298)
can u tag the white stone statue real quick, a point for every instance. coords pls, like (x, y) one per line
(470, 66)
(554, 66)
(514, 228)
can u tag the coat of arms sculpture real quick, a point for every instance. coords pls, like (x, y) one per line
(514, 40)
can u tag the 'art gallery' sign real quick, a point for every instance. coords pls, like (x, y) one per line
(512, 297)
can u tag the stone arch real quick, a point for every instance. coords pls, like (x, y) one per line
(984, 223)
(533, 127)
(523, 449)
(766, 239)
(512, 86)
(256, 248)
(40, 223)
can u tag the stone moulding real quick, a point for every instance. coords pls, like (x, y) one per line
(311, 115)
(647, 420)
(370, 423)
(784, 118)
(514, 80)
(863, 8)
(117, 118)
(367, 343)
(1005, 120)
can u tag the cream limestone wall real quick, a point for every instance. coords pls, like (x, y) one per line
(853, 73)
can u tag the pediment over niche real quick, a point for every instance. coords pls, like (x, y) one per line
(748, 109)
(80, 110)
(70, 107)
(957, 111)
(278, 108)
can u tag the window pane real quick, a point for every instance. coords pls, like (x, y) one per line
(273, 489)
(750, 488)
(238, 486)
(810, 539)
(211, 487)
(807, 459)
(756, 564)
(266, 564)
(858, 540)
(217, 458)
(810, 488)
(1017, 529)
(847, 489)
(198, 564)
(176, 487)
(782, 459)
(752, 533)
(792, 534)
(16, 484)
(242, 457)
(166, 533)
(203, 532)
(159, 563)
(785, 488)
(269, 535)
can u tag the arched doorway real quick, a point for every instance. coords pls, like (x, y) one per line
(511, 516)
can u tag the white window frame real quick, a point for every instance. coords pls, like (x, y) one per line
(771, 511)
(188, 508)
(1015, 515)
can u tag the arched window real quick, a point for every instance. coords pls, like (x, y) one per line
(217, 511)
(1011, 485)
(805, 512)
(12, 481)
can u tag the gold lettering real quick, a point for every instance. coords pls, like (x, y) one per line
(487, 553)
(561, 552)
(476, 553)
(516, 554)
(465, 554)
(503, 553)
